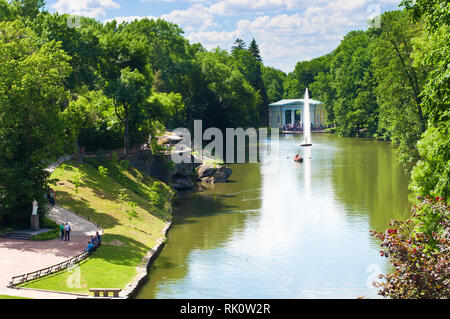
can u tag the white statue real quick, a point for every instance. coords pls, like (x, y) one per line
(35, 207)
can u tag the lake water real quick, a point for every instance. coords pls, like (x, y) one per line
(281, 229)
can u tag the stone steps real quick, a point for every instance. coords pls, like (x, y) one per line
(17, 235)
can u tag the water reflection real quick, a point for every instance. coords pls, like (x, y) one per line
(367, 181)
(282, 229)
(307, 166)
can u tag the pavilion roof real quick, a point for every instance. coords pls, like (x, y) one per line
(294, 102)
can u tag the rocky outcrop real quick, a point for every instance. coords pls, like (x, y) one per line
(179, 175)
(211, 173)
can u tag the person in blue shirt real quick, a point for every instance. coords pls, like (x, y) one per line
(89, 246)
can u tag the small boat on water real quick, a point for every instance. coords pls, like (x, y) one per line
(298, 159)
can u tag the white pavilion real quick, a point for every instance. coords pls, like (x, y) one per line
(287, 112)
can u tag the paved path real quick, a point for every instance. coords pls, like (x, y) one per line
(51, 168)
(79, 225)
(22, 256)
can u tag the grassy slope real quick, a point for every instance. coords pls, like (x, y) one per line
(111, 266)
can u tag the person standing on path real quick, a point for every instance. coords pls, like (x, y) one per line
(67, 231)
(61, 231)
(51, 197)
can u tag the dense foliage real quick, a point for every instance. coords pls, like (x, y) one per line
(419, 249)
(431, 175)
(31, 123)
(100, 86)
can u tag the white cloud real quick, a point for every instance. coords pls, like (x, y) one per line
(235, 7)
(197, 17)
(285, 39)
(89, 8)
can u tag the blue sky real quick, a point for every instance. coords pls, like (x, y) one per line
(287, 31)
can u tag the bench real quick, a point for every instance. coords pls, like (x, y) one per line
(105, 291)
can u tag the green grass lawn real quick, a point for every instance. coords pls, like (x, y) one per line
(126, 241)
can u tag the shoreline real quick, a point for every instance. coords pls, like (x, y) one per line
(132, 287)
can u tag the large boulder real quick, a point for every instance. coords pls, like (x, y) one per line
(211, 173)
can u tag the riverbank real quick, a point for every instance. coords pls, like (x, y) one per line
(133, 209)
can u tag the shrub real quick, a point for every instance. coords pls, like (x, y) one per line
(103, 171)
(52, 234)
(419, 250)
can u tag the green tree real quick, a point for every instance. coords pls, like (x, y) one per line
(132, 212)
(169, 54)
(32, 132)
(92, 122)
(123, 197)
(431, 175)
(162, 107)
(355, 107)
(126, 74)
(230, 101)
(273, 81)
(239, 44)
(249, 64)
(254, 50)
(325, 91)
(303, 76)
(81, 43)
(399, 83)
(7, 11)
(436, 12)
(28, 8)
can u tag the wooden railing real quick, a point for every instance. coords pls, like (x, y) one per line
(16, 280)
(91, 221)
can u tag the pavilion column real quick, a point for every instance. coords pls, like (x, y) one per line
(292, 117)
